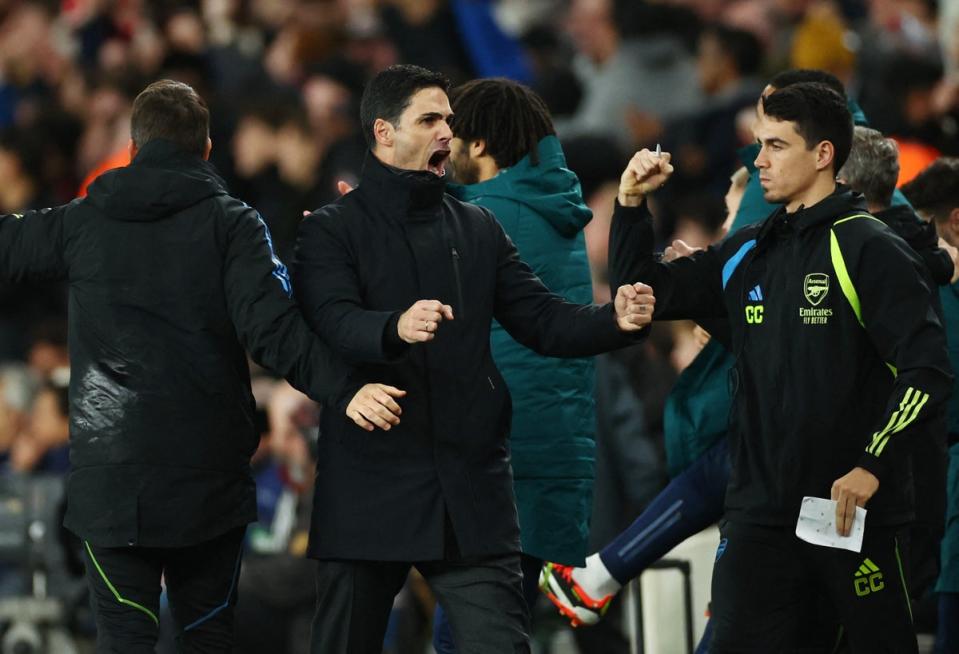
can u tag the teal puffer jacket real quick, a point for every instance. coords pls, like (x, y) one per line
(541, 208)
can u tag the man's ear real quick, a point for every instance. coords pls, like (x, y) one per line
(207, 149)
(383, 132)
(825, 155)
(477, 148)
(954, 220)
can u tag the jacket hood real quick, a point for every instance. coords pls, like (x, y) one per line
(549, 189)
(161, 180)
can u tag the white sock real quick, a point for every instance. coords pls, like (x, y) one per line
(595, 578)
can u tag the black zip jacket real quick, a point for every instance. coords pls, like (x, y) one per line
(840, 357)
(170, 279)
(921, 237)
(361, 261)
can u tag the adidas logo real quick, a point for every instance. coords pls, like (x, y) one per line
(868, 579)
(756, 295)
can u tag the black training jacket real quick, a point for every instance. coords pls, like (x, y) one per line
(840, 357)
(170, 279)
(440, 481)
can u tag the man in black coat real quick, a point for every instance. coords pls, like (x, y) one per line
(435, 491)
(170, 280)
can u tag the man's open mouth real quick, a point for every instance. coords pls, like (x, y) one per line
(437, 162)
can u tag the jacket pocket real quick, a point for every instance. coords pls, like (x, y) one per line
(460, 309)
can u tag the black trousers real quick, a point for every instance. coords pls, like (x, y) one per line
(770, 588)
(482, 598)
(201, 586)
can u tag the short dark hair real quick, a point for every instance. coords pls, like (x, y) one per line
(510, 117)
(389, 93)
(935, 190)
(872, 167)
(742, 47)
(820, 114)
(172, 111)
(803, 75)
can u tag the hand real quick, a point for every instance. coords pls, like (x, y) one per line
(678, 250)
(342, 187)
(419, 323)
(852, 490)
(645, 173)
(373, 406)
(701, 336)
(634, 306)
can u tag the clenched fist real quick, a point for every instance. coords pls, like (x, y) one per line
(645, 173)
(419, 323)
(634, 306)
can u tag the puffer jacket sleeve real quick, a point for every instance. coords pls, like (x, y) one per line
(32, 245)
(267, 320)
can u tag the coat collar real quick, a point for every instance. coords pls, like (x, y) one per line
(404, 191)
(843, 201)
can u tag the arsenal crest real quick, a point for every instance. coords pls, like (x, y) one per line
(815, 287)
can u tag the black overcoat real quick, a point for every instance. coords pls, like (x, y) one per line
(360, 262)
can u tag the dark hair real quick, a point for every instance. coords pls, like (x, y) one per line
(389, 93)
(936, 189)
(872, 167)
(172, 111)
(820, 114)
(742, 47)
(805, 75)
(510, 117)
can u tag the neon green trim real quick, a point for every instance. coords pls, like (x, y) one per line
(113, 590)
(906, 421)
(879, 434)
(894, 420)
(845, 281)
(902, 577)
(858, 215)
(842, 273)
(908, 401)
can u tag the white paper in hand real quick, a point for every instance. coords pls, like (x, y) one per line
(817, 525)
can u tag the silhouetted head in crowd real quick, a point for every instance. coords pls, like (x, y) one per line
(174, 112)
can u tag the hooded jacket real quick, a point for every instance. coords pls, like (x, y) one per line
(439, 483)
(170, 279)
(840, 357)
(554, 419)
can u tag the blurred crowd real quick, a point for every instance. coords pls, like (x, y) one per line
(283, 80)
